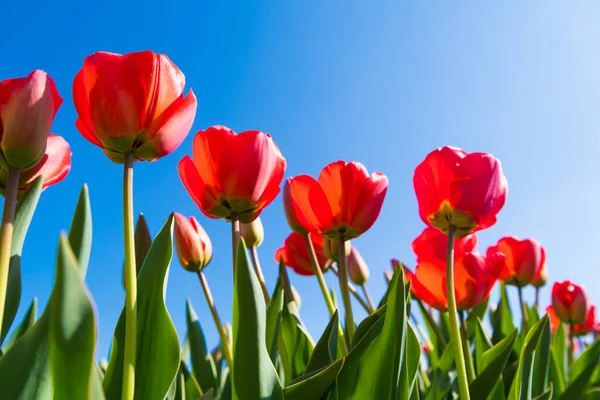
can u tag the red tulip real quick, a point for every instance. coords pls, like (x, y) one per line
(570, 302)
(344, 201)
(294, 253)
(457, 189)
(586, 326)
(525, 260)
(358, 271)
(474, 277)
(193, 244)
(54, 166)
(133, 103)
(27, 108)
(432, 244)
(233, 174)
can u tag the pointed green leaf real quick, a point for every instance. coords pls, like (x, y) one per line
(410, 365)
(143, 241)
(555, 377)
(192, 388)
(581, 372)
(274, 310)
(483, 343)
(542, 358)
(476, 313)
(157, 355)
(72, 329)
(559, 352)
(26, 324)
(203, 365)
(315, 384)
(592, 394)
(80, 234)
(325, 350)
(257, 378)
(207, 396)
(546, 395)
(502, 320)
(23, 215)
(366, 324)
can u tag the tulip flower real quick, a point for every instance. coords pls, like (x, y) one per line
(525, 260)
(53, 166)
(133, 104)
(294, 254)
(194, 247)
(570, 302)
(254, 234)
(461, 190)
(27, 108)
(357, 267)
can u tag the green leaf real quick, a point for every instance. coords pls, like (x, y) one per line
(410, 365)
(593, 394)
(203, 365)
(143, 241)
(274, 310)
(492, 364)
(367, 324)
(547, 395)
(80, 234)
(521, 386)
(556, 377)
(581, 372)
(72, 329)
(207, 396)
(315, 384)
(26, 324)
(257, 378)
(542, 359)
(325, 350)
(192, 388)
(381, 352)
(483, 343)
(23, 215)
(559, 352)
(157, 355)
(476, 313)
(502, 319)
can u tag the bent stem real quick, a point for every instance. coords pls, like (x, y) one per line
(235, 238)
(459, 357)
(369, 299)
(319, 274)
(6, 233)
(344, 288)
(259, 273)
(354, 292)
(225, 348)
(525, 323)
(128, 390)
(467, 348)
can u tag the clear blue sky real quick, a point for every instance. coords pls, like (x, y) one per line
(380, 82)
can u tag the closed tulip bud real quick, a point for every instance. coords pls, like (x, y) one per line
(253, 233)
(357, 267)
(332, 248)
(388, 275)
(193, 244)
(27, 108)
(297, 298)
(524, 261)
(542, 278)
(570, 302)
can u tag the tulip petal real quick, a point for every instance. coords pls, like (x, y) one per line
(54, 166)
(83, 81)
(202, 195)
(369, 202)
(208, 148)
(429, 284)
(330, 180)
(310, 203)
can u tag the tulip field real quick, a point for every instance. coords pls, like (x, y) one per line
(435, 334)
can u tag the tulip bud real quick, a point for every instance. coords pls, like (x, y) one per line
(357, 267)
(388, 276)
(290, 212)
(253, 233)
(570, 302)
(332, 248)
(193, 244)
(296, 297)
(27, 108)
(542, 277)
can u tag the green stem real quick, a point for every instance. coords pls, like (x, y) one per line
(235, 238)
(369, 299)
(213, 310)
(525, 322)
(6, 233)
(459, 357)
(427, 314)
(128, 390)
(571, 344)
(319, 274)
(537, 298)
(354, 292)
(467, 348)
(259, 273)
(344, 288)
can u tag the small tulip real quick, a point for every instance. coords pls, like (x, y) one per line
(294, 253)
(541, 278)
(232, 175)
(193, 244)
(332, 248)
(54, 166)
(27, 108)
(357, 267)
(525, 260)
(457, 189)
(570, 302)
(133, 103)
(253, 233)
(345, 201)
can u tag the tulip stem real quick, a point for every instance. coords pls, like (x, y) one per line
(350, 328)
(128, 390)
(467, 347)
(427, 314)
(571, 351)
(537, 298)
(235, 238)
(354, 292)
(259, 273)
(525, 323)
(459, 357)
(319, 274)
(6, 233)
(225, 348)
(368, 297)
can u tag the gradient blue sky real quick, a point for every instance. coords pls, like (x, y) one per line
(380, 82)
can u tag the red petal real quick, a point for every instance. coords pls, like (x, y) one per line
(310, 203)
(200, 193)
(208, 148)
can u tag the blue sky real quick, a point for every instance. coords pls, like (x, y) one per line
(379, 82)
